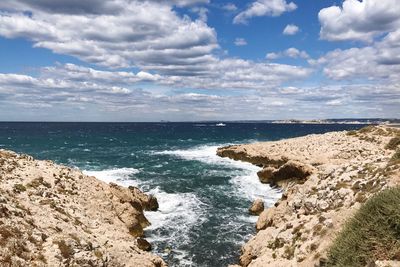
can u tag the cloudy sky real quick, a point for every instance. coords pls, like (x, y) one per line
(182, 60)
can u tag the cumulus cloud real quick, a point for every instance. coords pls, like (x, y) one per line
(379, 61)
(240, 42)
(290, 29)
(290, 52)
(243, 74)
(260, 8)
(229, 7)
(359, 20)
(53, 96)
(118, 33)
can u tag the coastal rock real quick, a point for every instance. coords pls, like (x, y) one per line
(265, 219)
(266, 174)
(292, 170)
(149, 202)
(324, 179)
(143, 244)
(257, 207)
(387, 264)
(52, 215)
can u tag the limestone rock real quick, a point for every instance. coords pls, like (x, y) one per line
(257, 207)
(143, 244)
(292, 169)
(266, 174)
(324, 179)
(52, 215)
(265, 219)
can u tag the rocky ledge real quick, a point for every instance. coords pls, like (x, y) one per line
(52, 215)
(325, 179)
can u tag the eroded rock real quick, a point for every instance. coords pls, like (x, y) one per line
(257, 207)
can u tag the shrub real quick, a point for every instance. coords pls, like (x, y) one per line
(373, 233)
(396, 156)
(66, 251)
(19, 188)
(393, 143)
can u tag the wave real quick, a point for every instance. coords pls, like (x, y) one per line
(244, 175)
(171, 225)
(121, 176)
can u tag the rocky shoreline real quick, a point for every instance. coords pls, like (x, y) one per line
(52, 215)
(325, 179)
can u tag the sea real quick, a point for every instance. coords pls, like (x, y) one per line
(203, 217)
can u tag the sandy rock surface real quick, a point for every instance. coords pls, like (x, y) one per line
(325, 178)
(51, 215)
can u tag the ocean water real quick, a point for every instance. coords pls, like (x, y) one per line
(203, 218)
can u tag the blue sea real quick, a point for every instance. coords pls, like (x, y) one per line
(203, 217)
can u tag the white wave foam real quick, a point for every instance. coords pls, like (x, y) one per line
(177, 215)
(122, 176)
(244, 175)
(207, 154)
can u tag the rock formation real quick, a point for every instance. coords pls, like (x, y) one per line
(257, 207)
(52, 215)
(325, 178)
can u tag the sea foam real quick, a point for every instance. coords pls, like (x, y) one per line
(122, 176)
(243, 174)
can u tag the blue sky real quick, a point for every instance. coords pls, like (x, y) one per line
(140, 60)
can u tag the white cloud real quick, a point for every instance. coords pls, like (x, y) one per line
(291, 29)
(243, 74)
(290, 52)
(202, 13)
(260, 8)
(60, 97)
(229, 7)
(125, 34)
(272, 56)
(379, 61)
(359, 20)
(240, 42)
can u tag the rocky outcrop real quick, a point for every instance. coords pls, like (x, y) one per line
(325, 178)
(291, 170)
(52, 215)
(257, 207)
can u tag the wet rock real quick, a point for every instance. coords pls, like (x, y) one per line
(149, 202)
(143, 244)
(257, 207)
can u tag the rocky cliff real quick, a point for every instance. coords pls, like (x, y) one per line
(325, 179)
(52, 215)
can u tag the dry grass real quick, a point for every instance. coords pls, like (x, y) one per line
(372, 234)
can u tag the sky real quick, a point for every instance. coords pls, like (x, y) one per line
(189, 60)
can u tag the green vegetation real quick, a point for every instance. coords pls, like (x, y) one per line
(66, 251)
(18, 188)
(372, 234)
(393, 143)
(396, 157)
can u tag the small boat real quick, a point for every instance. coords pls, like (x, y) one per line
(220, 124)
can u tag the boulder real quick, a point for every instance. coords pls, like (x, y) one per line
(257, 207)
(265, 219)
(149, 202)
(266, 174)
(143, 244)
